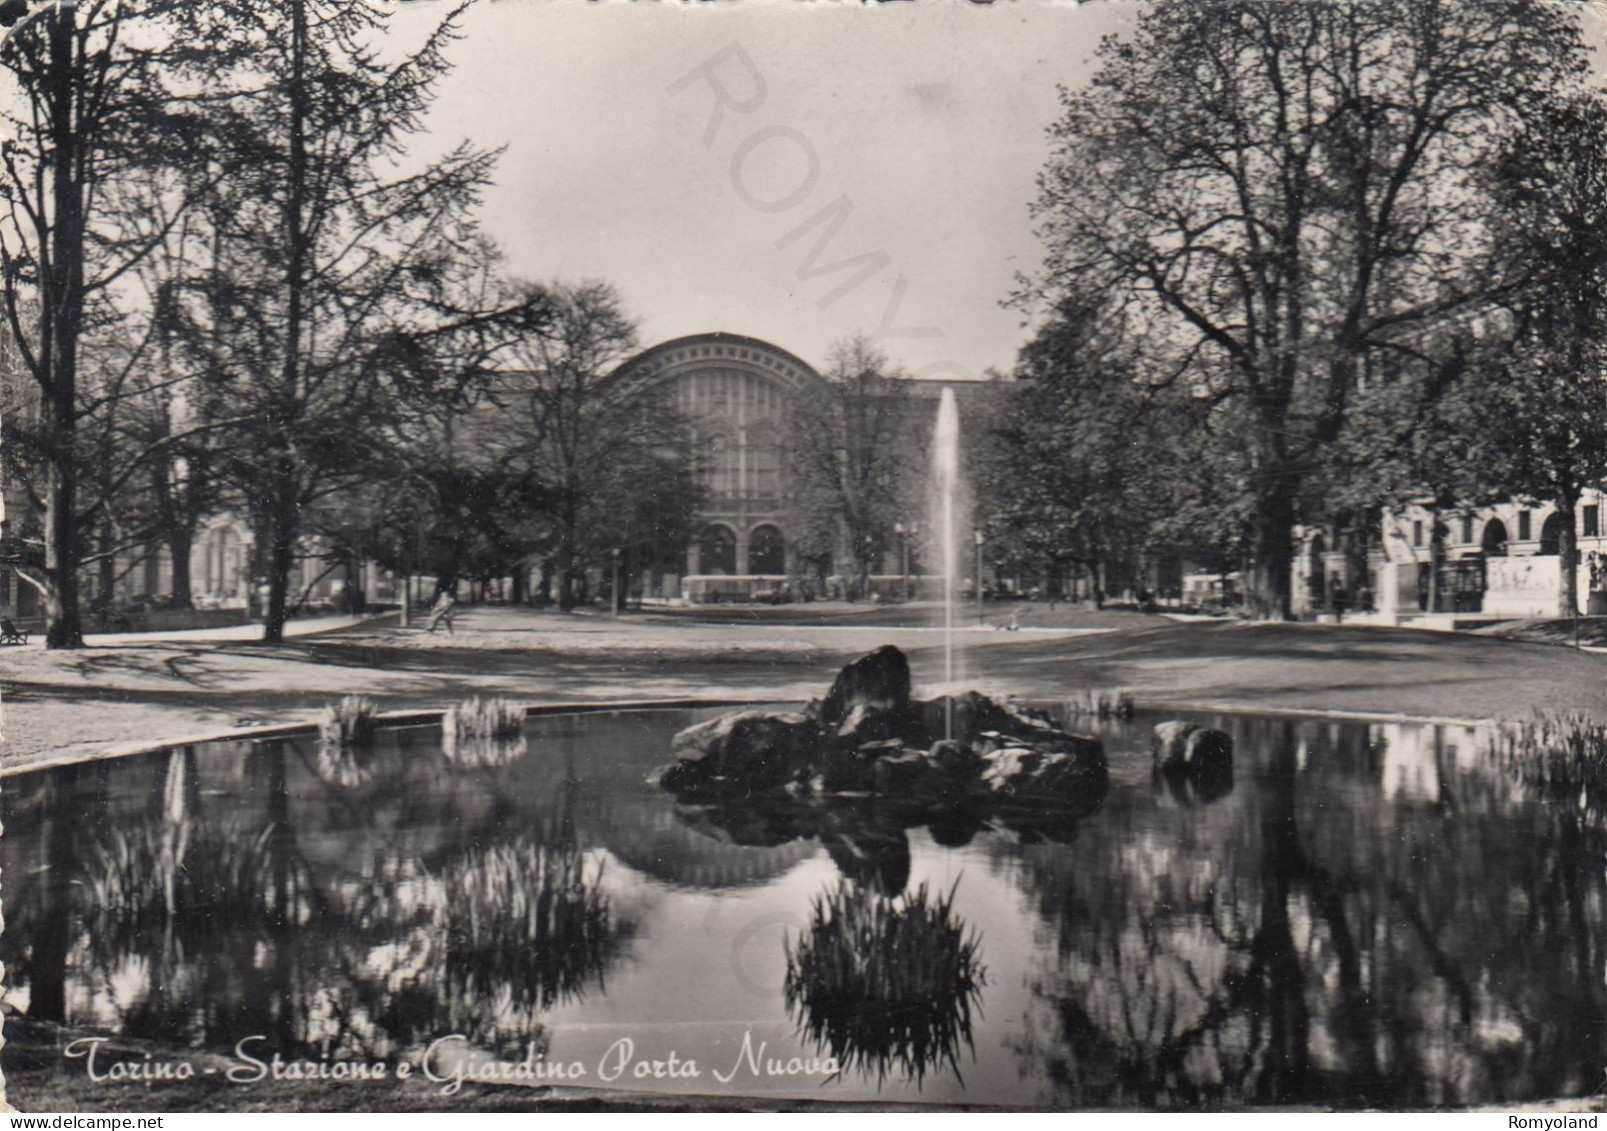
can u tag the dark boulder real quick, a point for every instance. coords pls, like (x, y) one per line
(749, 749)
(1179, 745)
(1025, 773)
(1169, 744)
(852, 769)
(880, 681)
(963, 718)
(1209, 750)
(866, 723)
(944, 775)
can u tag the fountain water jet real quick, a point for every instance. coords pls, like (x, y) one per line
(946, 475)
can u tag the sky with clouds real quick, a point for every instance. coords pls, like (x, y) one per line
(917, 129)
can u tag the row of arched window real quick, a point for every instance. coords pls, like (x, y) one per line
(717, 550)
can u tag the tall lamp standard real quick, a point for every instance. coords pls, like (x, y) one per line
(977, 534)
(616, 580)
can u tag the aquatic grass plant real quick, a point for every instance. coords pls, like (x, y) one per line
(204, 878)
(886, 985)
(1562, 757)
(486, 717)
(485, 731)
(350, 723)
(1099, 703)
(528, 924)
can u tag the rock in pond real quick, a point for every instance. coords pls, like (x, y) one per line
(1188, 746)
(867, 738)
(879, 681)
(751, 750)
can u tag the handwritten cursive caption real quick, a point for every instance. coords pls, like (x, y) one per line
(450, 1063)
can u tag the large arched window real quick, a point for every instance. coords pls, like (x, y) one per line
(717, 550)
(764, 462)
(1551, 535)
(1494, 541)
(767, 551)
(721, 460)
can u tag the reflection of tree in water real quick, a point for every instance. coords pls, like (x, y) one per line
(204, 931)
(1309, 940)
(885, 984)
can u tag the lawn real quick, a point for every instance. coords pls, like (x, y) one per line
(61, 705)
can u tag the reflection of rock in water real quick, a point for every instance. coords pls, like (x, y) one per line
(867, 838)
(1189, 788)
(873, 854)
(886, 985)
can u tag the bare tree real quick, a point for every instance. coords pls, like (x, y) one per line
(1279, 195)
(849, 459)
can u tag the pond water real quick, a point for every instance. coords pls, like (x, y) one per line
(1365, 915)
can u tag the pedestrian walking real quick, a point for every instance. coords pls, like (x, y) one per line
(442, 612)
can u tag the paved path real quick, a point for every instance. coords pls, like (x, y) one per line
(307, 626)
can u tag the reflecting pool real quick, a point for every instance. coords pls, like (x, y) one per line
(1362, 915)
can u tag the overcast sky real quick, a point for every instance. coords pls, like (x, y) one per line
(928, 119)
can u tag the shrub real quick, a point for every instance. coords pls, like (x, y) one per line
(1100, 703)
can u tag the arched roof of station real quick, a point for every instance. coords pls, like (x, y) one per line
(698, 351)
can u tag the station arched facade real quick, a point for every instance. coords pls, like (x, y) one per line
(740, 395)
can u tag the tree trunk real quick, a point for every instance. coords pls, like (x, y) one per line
(1271, 554)
(1568, 555)
(64, 294)
(569, 523)
(179, 539)
(284, 514)
(282, 531)
(1436, 554)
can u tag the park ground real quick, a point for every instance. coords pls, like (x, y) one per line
(130, 692)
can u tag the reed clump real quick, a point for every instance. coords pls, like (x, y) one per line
(483, 732)
(1100, 703)
(352, 722)
(486, 717)
(886, 984)
(1562, 757)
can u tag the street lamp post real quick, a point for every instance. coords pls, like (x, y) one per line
(616, 581)
(977, 534)
(903, 559)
